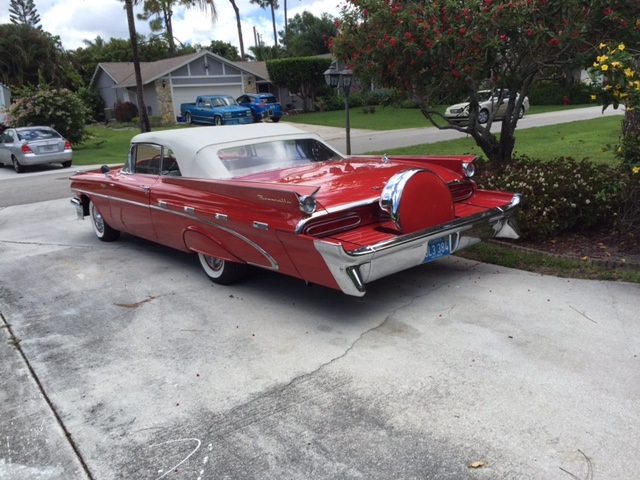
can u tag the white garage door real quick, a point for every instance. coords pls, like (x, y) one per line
(189, 94)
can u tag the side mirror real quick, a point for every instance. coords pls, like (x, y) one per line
(105, 169)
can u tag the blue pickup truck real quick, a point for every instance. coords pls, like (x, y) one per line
(215, 110)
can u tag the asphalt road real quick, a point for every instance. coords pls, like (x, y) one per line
(122, 361)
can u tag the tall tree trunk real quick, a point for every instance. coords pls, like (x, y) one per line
(142, 109)
(168, 13)
(286, 26)
(273, 20)
(235, 9)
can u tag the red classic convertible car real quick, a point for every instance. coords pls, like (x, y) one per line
(276, 197)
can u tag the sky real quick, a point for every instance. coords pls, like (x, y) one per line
(77, 20)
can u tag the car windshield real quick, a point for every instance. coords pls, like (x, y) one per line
(268, 100)
(277, 154)
(37, 134)
(225, 101)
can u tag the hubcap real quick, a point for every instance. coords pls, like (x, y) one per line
(214, 263)
(97, 220)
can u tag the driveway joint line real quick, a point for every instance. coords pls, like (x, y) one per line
(15, 342)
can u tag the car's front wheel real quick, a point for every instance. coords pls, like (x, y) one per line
(483, 116)
(101, 228)
(521, 112)
(221, 271)
(17, 166)
(217, 120)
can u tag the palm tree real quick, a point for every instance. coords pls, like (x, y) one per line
(273, 4)
(163, 11)
(145, 126)
(235, 9)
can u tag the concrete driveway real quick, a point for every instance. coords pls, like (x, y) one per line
(122, 361)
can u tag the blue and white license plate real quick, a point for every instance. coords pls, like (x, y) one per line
(438, 248)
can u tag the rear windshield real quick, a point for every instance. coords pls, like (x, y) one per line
(260, 157)
(37, 134)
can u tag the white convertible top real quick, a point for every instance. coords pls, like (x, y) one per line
(196, 148)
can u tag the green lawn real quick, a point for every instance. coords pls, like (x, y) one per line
(583, 139)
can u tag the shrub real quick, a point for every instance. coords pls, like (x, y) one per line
(60, 109)
(125, 111)
(381, 96)
(559, 195)
(552, 93)
(93, 101)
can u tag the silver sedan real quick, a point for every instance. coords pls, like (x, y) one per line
(25, 146)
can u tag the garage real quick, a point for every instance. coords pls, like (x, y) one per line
(188, 94)
(170, 82)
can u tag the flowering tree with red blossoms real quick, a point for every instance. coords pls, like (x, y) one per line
(429, 50)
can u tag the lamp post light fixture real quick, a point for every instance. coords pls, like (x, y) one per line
(342, 79)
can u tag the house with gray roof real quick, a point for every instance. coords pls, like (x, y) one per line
(170, 82)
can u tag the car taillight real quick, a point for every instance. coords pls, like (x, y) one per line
(324, 228)
(67, 145)
(461, 190)
(26, 148)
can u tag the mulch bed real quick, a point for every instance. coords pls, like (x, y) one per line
(599, 246)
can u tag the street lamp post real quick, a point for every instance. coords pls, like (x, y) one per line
(342, 79)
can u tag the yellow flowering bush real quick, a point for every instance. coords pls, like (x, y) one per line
(616, 80)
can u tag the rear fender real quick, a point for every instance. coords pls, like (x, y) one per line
(277, 197)
(201, 243)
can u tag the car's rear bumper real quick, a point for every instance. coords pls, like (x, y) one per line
(44, 158)
(353, 269)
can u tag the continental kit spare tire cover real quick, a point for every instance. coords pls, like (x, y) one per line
(417, 199)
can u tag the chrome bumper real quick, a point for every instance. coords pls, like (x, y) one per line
(352, 270)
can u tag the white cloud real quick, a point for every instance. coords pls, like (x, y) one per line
(77, 20)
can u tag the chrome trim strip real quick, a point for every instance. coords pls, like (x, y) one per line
(272, 262)
(392, 193)
(221, 216)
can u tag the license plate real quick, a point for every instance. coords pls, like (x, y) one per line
(47, 148)
(438, 248)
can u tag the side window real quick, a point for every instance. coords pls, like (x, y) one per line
(145, 158)
(170, 164)
(129, 166)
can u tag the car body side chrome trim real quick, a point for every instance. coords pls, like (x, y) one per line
(273, 264)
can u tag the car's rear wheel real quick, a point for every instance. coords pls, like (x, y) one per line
(101, 228)
(66, 164)
(221, 271)
(483, 116)
(521, 112)
(275, 119)
(187, 118)
(217, 120)
(17, 166)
